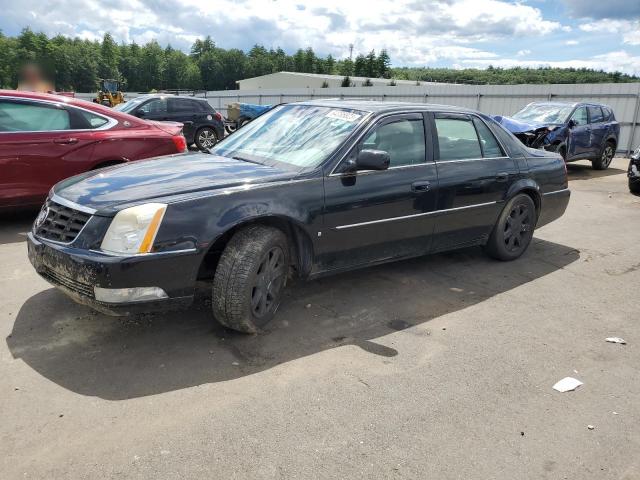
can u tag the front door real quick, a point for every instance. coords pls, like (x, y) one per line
(598, 130)
(474, 174)
(579, 144)
(373, 216)
(39, 146)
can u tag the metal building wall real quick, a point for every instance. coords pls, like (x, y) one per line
(623, 98)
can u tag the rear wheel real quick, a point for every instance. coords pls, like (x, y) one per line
(606, 157)
(206, 138)
(514, 229)
(634, 186)
(250, 278)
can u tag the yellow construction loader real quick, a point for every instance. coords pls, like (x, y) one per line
(109, 93)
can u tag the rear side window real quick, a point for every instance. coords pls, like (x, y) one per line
(608, 114)
(457, 139)
(595, 114)
(179, 105)
(32, 117)
(490, 146)
(402, 139)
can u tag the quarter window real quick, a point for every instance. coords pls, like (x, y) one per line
(490, 146)
(403, 140)
(93, 121)
(457, 139)
(32, 117)
(579, 117)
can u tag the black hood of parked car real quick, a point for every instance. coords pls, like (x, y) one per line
(146, 180)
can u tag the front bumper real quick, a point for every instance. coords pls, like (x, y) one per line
(634, 170)
(76, 272)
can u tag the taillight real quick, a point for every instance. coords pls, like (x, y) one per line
(218, 116)
(180, 143)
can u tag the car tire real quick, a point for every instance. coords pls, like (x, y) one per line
(513, 231)
(605, 158)
(250, 278)
(206, 138)
(634, 186)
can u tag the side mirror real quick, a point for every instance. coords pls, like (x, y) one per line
(571, 123)
(373, 160)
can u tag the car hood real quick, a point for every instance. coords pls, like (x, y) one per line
(175, 175)
(517, 126)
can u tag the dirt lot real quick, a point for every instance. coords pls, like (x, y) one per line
(439, 367)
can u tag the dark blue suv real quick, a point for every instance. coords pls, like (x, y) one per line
(577, 131)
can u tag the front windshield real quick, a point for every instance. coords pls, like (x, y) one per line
(128, 107)
(299, 135)
(544, 113)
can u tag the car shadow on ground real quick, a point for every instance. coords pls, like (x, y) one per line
(121, 358)
(578, 171)
(15, 225)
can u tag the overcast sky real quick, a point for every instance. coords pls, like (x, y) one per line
(453, 33)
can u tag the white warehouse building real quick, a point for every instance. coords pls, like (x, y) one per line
(309, 80)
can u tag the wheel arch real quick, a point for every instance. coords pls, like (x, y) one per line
(108, 163)
(299, 241)
(528, 187)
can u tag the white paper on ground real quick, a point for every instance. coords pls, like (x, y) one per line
(615, 340)
(567, 384)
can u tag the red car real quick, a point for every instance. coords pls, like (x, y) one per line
(46, 138)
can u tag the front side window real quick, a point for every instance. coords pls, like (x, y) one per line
(18, 116)
(457, 139)
(579, 117)
(402, 139)
(300, 136)
(595, 114)
(157, 105)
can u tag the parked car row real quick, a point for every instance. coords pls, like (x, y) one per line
(309, 188)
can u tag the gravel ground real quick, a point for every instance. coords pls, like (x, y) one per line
(439, 367)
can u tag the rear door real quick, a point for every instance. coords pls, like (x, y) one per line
(373, 216)
(579, 144)
(474, 174)
(187, 112)
(41, 143)
(598, 130)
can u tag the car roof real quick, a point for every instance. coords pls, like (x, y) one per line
(570, 104)
(377, 106)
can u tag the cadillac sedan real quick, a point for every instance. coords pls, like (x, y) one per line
(306, 189)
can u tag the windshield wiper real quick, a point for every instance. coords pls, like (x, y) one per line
(243, 159)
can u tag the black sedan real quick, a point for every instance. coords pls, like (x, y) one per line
(203, 126)
(308, 189)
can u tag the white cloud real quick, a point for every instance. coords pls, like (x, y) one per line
(630, 29)
(571, 42)
(617, 61)
(415, 32)
(523, 53)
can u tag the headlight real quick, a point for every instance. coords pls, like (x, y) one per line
(134, 229)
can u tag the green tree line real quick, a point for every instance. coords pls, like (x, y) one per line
(77, 64)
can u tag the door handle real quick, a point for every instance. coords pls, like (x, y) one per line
(502, 177)
(65, 141)
(424, 186)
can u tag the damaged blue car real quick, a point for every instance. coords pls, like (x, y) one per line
(577, 131)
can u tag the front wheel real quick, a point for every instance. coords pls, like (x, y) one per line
(250, 278)
(206, 138)
(513, 231)
(605, 159)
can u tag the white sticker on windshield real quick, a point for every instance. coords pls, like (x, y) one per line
(342, 115)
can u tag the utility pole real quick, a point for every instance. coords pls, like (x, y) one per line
(351, 51)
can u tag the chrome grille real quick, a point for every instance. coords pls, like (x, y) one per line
(60, 223)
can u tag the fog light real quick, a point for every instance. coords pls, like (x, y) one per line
(125, 295)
